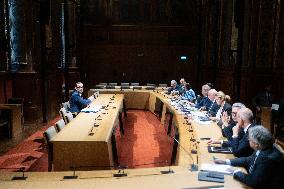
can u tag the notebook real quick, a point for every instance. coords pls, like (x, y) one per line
(224, 150)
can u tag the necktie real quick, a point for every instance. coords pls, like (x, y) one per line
(211, 106)
(252, 164)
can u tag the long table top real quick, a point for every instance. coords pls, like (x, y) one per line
(82, 125)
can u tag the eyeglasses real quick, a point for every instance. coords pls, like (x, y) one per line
(234, 113)
(80, 87)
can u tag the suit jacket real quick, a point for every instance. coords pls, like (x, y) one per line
(240, 145)
(177, 88)
(266, 169)
(213, 109)
(205, 101)
(77, 102)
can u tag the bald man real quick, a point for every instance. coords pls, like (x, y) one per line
(214, 107)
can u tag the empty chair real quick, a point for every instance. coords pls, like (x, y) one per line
(134, 84)
(66, 105)
(137, 87)
(5, 123)
(59, 125)
(68, 117)
(150, 85)
(163, 85)
(112, 84)
(62, 113)
(124, 84)
(110, 87)
(105, 84)
(96, 94)
(48, 135)
(150, 88)
(124, 87)
(100, 86)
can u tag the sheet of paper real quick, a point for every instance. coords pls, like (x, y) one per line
(94, 108)
(226, 169)
(275, 107)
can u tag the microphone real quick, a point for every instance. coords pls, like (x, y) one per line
(193, 166)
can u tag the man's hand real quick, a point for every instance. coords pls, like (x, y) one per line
(219, 161)
(236, 130)
(211, 141)
(225, 119)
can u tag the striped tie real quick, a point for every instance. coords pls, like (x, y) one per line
(252, 165)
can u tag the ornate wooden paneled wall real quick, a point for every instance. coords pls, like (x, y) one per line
(138, 54)
(262, 51)
(142, 41)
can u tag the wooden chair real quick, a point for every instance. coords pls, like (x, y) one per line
(48, 135)
(59, 125)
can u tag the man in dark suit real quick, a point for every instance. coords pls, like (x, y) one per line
(204, 101)
(77, 102)
(174, 89)
(240, 143)
(264, 165)
(230, 120)
(214, 107)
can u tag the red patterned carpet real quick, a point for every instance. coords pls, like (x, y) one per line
(144, 144)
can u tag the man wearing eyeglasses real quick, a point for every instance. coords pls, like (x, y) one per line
(230, 121)
(77, 102)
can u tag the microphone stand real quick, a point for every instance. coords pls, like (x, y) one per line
(22, 169)
(193, 166)
(120, 173)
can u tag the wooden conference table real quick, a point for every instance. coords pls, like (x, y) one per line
(87, 141)
(75, 147)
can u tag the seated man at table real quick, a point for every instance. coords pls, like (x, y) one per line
(264, 166)
(239, 143)
(230, 120)
(204, 101)
(214, 107)
(77, 102)
(182, 85)
(174, 89)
